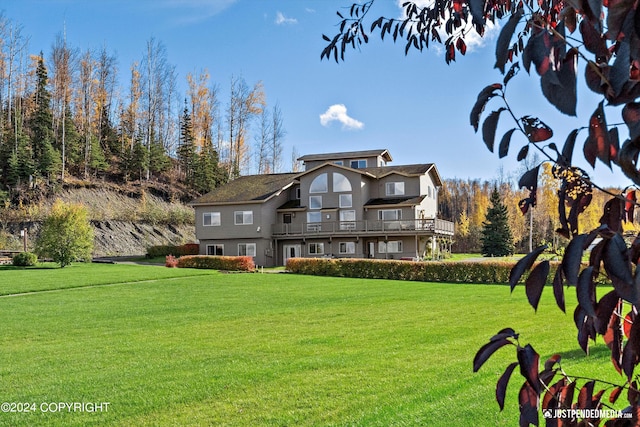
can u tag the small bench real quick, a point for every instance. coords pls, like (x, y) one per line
(5, 260)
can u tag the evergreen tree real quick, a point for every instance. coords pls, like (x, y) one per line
(187, 150)
(47, 159)
(208, 174)
(497, 239)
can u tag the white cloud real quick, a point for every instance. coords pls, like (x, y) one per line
(338, 113)
(283, 20)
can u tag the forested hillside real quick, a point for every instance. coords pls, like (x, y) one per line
(66, 112)
(465, 203)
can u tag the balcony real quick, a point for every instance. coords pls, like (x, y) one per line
(426, 227)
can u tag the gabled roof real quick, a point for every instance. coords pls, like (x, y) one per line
(406, 170)
(347, 155)
(248, 189)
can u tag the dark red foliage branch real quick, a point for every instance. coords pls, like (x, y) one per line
(550, 39)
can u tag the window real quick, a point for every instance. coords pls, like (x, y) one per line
(338, 162)
(315, 202)
(346, 201)
(316, 248)
(390, 247)
(286, 218)
(340, 183)
(297, 193)
(313, 221)
(319, 184)
(243, 217)
(390, 214)
(396, 189)
(215, 249)
(247, 249)
(314, 216)
(347, 220)
(210, 219)
(358, 164)
(347, 247)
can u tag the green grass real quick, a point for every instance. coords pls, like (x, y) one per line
(265, 349)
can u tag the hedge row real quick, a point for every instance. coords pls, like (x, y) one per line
(182, 250)
(226, 263)
(451, 272)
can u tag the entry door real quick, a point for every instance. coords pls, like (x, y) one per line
(372, 249)
(291, 251)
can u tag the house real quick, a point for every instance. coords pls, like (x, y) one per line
(349, 204)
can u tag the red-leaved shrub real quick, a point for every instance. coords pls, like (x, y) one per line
(226, 263)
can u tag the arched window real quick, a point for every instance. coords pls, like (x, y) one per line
(340, 183)
(319, 184)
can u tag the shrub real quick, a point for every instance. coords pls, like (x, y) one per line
(227, 263)
(453, 272)
(165, 250)
(25, 259)
(171, 261)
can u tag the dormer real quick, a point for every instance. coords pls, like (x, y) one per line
(350, 159)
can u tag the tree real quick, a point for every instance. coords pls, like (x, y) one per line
(551, 38)
(66, 235)
(497, 239)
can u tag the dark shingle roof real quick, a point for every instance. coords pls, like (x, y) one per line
(419, 169)
(250, 188)
(395, 201)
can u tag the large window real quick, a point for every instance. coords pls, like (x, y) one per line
(396, 189)
(215, 249)
(243, 217)
(315, 202)
(347, 248)
(346, 201)
(340, 183)
(390, 214)
(316, 248)
(319, 184)
(247, 249)
(358, 164)
(390, 247)
(210, 219)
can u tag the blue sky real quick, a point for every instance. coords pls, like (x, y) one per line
(416, 106)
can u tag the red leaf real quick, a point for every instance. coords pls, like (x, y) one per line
(615, 393)
(528, 399)
(483, 97)
(572, 259)
(501, 386)
(558, 290)
(504, 143)
(535, 129)
(585, 290)
(535, 283)
(598, 143)
(489, 128)
(529, 361)
(613, 214)
(631, 116)
(504, 40)
(487, 350)
(604, 311)
(524, 264)
(630, 205)
(585, 396)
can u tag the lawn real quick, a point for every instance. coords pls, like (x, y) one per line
(188, 347)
